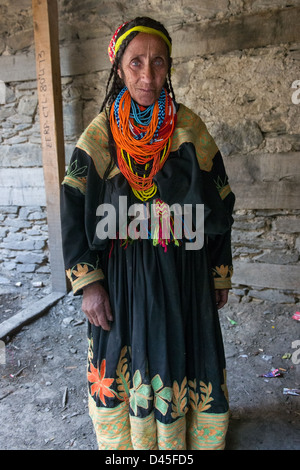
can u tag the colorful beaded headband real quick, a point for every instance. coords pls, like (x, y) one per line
(115, 45)
(112, 44)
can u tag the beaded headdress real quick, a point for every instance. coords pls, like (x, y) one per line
(143, 139)
(112, 44)
(142, 135)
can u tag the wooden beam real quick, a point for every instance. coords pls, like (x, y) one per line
(45, 18)
(265, 181)
(29, 314)
(261, 29)
(268, 195)
(264, 275)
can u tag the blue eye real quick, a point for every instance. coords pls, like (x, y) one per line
(135, 63)
(158, 61)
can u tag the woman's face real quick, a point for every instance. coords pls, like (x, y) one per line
(144, 67)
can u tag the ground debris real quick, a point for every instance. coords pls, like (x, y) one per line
(292, 391)
(65, 397)
(261, 416)
(6, 394)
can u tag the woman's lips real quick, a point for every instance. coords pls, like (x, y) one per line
(146, 91)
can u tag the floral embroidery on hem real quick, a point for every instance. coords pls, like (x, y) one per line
(140, 394)
(201, 403)
(184, 397)
(100, 385)
(162, 395)
(180, 399)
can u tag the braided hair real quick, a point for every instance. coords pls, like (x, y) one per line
(115, 84)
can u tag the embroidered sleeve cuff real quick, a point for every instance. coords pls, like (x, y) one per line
(82, 275)
(222, 277)
(76, 177)
(222, 283)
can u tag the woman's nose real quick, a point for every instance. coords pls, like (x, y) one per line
(148, 73)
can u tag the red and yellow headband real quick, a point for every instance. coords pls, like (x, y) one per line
(115, 43)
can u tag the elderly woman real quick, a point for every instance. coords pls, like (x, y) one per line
(156, 368)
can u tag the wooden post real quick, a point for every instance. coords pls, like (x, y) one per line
(45, 18)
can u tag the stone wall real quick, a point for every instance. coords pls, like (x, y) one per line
(24, 240)
(236, 63)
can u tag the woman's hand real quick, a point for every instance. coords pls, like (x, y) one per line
(96, 305)
(221, 297)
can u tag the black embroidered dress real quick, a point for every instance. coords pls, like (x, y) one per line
(157, 378)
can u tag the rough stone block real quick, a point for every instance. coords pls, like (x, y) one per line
(27, 105)
(23, 155)
(20, 245)
(278, 258)
(26, 268)
(73, 123)
(287, 225)
(241, 138)
(30, 258)
(272, 295)
(6, 93)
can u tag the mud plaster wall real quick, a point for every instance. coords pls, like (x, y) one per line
(236, 63)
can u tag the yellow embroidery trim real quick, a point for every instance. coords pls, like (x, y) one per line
(77, 183)
(225, 191)
(172, 436)
(116, 428)
(83, 277)
(112, 426)
(143, 432)
(222, 277)
(223, 271)
(206, 431)
(189, 128)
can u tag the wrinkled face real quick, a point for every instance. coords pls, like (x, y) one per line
(144, 67)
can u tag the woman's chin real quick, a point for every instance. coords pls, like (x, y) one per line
(145, 98)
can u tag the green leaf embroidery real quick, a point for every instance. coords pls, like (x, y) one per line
(140, 394)
(162, 395)
(74, 171)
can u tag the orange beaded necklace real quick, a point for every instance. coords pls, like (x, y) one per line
(142, 149)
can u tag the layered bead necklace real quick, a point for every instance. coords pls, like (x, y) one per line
(143, 139)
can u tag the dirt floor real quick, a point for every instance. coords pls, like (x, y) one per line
(43, 395)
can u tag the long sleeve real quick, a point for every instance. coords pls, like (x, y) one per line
(82, 262)
(219, 246)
